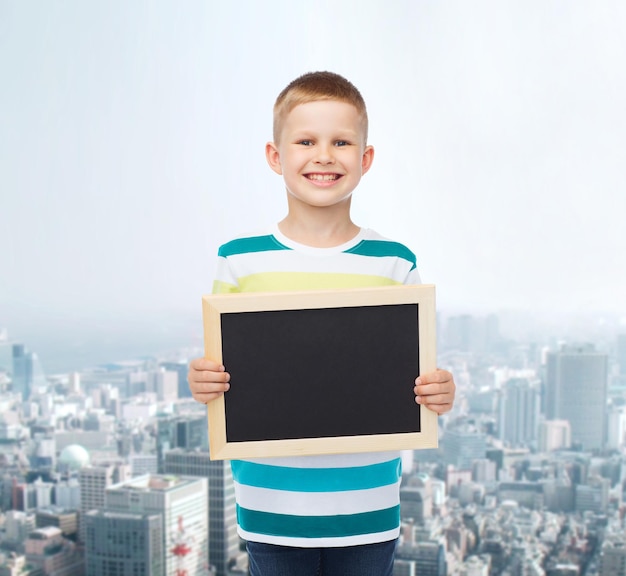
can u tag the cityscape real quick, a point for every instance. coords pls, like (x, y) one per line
(106, 470)
(132, 146)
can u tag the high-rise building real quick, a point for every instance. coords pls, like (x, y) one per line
(484, 471)
(518, 414)
(181, 368)
(164, 383)
(23, 497)
(43, 458)
(94, 481)
(429, 557)
(141, 464)
(613, 556)
(576, 390)
(559, 494)
(463, 445)
(593, 496)
(181, 502)
(413, 502)
(616, 428)
(187, 431)
(28, 375)
(22, 376)
(64, 520)
(73, 383)
(124, 544)
(404, 568)
(43, 491)
(223, 538)
(554, 435)
(67, 494)
(17, 526)
(48, 550)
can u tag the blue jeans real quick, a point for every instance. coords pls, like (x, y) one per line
(366, 560)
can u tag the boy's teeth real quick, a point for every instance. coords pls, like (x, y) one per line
(322, 176)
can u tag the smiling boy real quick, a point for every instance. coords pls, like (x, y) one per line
(331, 515)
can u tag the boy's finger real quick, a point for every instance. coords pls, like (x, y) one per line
(209, 376)
(440, 408)
(211, 387)
(434, 399)
(439, 404)
(435, 377)
(430, 389)
(206, 364)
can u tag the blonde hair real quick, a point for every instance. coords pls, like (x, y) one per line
(315, 86)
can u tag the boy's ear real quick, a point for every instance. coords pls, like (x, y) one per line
(367, 159)
(273, 157)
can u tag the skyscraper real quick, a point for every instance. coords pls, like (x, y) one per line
(181, 503)
(613, 556)
(93, 482)
(187, 431)
(181, 368)
(223, 537)
(124, 544)
(518, 413)
(22, 377)
(463, 445)
(576, 390)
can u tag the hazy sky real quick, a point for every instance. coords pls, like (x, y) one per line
(132, 137)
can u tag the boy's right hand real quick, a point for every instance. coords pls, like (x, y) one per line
(208, 380)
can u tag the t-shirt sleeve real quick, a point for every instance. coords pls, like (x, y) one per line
(413, 277)
(225, 281)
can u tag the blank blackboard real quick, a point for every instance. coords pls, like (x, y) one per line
(319, 372)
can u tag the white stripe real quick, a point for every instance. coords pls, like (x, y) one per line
(329, 460)
(223, 272)
(317, 503)
(321, 542)
(294, 262)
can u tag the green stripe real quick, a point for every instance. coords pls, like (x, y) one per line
(252, 244)
(318, 526)
(382, 248)
(316, 479)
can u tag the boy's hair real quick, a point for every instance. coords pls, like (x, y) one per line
(315, 86)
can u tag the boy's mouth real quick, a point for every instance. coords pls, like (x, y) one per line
(323, 177)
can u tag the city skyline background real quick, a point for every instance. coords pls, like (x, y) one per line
(131, 146)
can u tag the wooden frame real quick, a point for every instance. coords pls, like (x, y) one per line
(236, 335)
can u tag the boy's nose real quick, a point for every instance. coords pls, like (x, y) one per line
(325, 155)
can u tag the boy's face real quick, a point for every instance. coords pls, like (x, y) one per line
(321, 153)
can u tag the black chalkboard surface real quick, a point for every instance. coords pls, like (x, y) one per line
(318, 372)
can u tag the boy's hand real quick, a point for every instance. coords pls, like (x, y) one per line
(207, 380)
(435, 390)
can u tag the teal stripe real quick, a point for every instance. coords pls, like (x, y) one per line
(317, 479)
(252, 244)
(318, 526)
(382, 248)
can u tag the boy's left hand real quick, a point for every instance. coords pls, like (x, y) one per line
(435, 390)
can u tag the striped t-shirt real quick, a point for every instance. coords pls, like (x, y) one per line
(329, 500)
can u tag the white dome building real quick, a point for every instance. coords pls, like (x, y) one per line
(73, 458)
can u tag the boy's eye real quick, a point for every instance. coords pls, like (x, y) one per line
(306, 142)
(342, 143)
